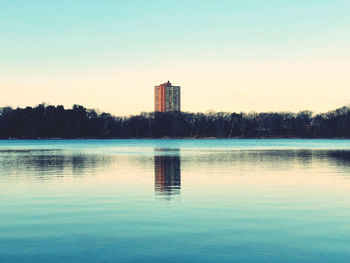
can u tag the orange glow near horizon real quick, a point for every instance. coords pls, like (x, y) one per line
(231, 87)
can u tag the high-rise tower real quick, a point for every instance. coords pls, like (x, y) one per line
(166, 97)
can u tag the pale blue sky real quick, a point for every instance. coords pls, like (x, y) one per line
(227, 55)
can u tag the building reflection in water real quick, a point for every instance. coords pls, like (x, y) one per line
(167, 172)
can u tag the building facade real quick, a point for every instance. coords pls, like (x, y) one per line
(166, 98)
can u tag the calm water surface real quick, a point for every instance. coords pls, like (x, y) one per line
(175, 201)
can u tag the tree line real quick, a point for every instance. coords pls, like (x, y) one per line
(47, 121)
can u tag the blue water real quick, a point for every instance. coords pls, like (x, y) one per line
(181, 143)
(175, 201)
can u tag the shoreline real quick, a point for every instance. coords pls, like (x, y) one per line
(175, 138)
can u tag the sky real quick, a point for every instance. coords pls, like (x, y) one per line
(232, 56)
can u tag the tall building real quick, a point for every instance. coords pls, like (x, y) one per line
(166, 97)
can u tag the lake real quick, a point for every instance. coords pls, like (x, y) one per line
(279, 200)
